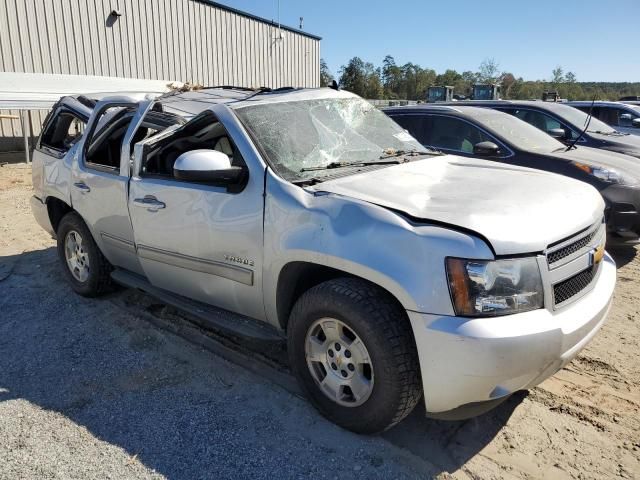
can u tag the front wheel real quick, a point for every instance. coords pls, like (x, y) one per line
(351, 348)
(86, 269)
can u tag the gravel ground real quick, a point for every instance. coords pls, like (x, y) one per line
(92, 389)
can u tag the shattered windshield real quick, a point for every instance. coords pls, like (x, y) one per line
(318, 132)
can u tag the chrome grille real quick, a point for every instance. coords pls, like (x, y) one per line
(567, 250)
(563, 291)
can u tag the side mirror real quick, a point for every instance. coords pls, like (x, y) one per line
(636, 123)
(557, 133)
(206, 166)
(486, 149)
(625, 116)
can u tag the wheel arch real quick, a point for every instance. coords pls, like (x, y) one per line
(297, 277)
(57, 209)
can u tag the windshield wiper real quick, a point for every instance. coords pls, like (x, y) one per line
(563, 149)
(586, 126)
(391, 153)
(332, 165)
(615, 132)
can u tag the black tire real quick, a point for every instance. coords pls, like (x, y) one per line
(385, 330)
(99, 279)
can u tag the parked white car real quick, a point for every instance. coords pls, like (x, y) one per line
(395, 272)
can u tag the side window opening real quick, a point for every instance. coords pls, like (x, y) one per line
(607, 114)
(105, 146)
(543, 122)
(414, 124)
(203, 132)
(63, 131)
(625, 118)
(106, 142)
(153, 123)
(454, 134)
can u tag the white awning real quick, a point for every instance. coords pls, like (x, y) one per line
(39, 91)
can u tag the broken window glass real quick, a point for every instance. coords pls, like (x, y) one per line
(317, 132)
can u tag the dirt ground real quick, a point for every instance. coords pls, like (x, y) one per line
(92, 389)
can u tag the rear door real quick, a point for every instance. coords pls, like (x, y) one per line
(100, 177)
(52, 157)
(197, 240)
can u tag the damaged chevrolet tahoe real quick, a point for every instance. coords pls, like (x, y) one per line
(396, 272)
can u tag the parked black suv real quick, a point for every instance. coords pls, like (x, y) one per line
(493, 135)
(565, 123)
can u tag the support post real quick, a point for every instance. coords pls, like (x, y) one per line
(25, 134)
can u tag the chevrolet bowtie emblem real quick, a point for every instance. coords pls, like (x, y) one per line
(598, 254)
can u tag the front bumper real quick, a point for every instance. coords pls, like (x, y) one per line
(623, 214)
(469, 360)
(41, 214)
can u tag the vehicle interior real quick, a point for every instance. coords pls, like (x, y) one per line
(454, 134)
(539, 120)
(105, 146)
(63, 132)
(203, 132)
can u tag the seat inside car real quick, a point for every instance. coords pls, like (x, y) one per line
(536, 120)
(213, 137)
(448, 142)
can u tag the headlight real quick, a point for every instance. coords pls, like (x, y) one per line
(608, 175)
(486, 288)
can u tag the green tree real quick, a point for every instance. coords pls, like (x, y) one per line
(448, 78)
(410, 81)
(373, 85)
(325, 74)
(488, 71)
(470, 77)
(507, 82)
(416, 81)
(391, 77)
(557, 76)
(352, 76)
(361, 78)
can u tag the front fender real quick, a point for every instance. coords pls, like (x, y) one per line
(361, 239)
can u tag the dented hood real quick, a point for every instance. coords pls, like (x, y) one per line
(518, 210)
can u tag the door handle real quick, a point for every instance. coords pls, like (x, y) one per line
(149, 202)
(83, 187)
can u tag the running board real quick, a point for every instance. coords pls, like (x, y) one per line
(205, 316)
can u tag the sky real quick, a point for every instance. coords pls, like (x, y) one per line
(597, 40)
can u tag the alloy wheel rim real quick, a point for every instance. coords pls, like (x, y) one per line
(76, 255)
(339, 362)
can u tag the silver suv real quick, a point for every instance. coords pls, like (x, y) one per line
(394, 271)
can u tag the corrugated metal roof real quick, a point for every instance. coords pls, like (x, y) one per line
(260, 19)
(186, 40)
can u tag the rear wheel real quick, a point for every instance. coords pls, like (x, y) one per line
(86, 269)
(352, 350)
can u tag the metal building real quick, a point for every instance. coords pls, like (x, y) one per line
(198, 41)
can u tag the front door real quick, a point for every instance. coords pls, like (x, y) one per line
(201, 241)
